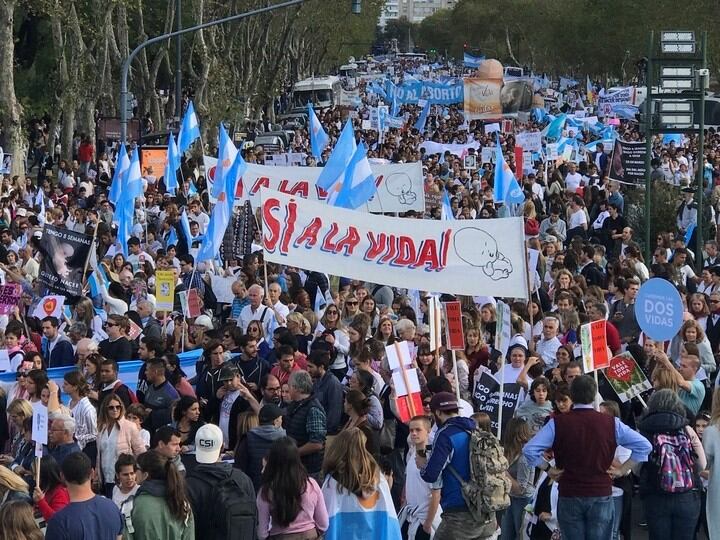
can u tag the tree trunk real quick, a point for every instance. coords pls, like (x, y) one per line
(11, 112)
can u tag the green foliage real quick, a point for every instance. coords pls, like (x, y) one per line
(664, 200)
(568, 37)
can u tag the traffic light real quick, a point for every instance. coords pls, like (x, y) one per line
(356, 7)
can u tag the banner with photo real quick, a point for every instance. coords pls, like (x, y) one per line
(457, 257)
(399, 185)
(63, 256)
(492, 99)
(627, 163)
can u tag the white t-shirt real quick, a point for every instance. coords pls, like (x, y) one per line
(573, 181)
(577, 219)
(225, 408)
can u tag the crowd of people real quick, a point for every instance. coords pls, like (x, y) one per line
(287, 426)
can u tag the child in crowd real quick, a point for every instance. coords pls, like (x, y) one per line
(125, 485)
(137, 414)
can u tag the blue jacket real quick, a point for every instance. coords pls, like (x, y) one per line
(451, 445)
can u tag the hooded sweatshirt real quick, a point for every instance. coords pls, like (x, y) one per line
(254, 448)
(151, 517)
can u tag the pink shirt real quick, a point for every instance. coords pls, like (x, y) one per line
(312, 514)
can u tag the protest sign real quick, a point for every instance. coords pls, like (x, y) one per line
(593, 337)
(434, 322)
(9, 297)
(164, 290)
(135, 330)
(529, 140)
(63, 257)
(459, 150)
(405, 380)
(487, 154)
(153, 159)
(454, 327)
(50, 306)
(482, 99)
(190, 302)
(627, 163)
(459, 257)
(40, 423)
(659, 309)
(551, 150)
(486, 398)
(222, 287)
(626, 377)
(399, 185)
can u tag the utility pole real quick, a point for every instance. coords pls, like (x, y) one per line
(178, 62)
(648, 148)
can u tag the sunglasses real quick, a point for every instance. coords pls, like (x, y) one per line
(352, 303)
(114, 407)
(111, 324)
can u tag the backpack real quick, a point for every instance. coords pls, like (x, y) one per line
(672, 455)
(133, 397)
(234, 507)
(488, 489)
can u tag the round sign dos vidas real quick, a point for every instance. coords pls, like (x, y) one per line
(659, 309)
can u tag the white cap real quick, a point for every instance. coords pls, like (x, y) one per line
(208, 444)
(204, 320)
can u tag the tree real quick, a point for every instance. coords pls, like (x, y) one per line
(11, 112)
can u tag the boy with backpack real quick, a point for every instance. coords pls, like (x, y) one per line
(222, 498)
(471, 465)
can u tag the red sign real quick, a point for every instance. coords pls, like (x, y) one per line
(518, 162)
(454, 327)
(507, 126)
(598, 331)
(621, 369)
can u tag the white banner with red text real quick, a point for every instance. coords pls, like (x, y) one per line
(399, 185)
(479, 257)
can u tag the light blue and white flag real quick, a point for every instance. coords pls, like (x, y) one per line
(318, 137)
(446, 213)
(185, 224)
(422, 119)
(506, 189)
(122, 164)
(172, 164)
(189, 130)
(226, 157)
(473, 62)
(334, 170)
(359, 184)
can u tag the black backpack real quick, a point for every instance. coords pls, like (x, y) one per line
(234, 508)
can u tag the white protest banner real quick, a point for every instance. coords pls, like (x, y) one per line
(487, 154)
(492, 128)
(399, 185)
(529, 140)
(50, 306)
(454, 256)
(40, 424)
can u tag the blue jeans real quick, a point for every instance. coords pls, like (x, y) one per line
(586, 518)
(512, 518)
(672, 516)
(618, 504)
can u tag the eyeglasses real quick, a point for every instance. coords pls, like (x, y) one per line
(352, 302)
(114, 407)
(332, 312)
(111, 324)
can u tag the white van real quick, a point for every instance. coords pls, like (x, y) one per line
(322, 92)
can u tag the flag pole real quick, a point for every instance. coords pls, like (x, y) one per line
(87, 260)
(455, 374)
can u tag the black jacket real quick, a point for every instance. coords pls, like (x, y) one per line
(200, 483)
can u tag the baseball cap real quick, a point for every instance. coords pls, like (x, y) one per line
(208, 443)
(269, 413)
(444, 401)
(227, 373)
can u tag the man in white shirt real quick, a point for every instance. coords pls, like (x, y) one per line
(137, 256)
(549, 343)
(577, 219)
(573, 179)
(682, 269)
(255, 311)
(273, 301)
(197, 214)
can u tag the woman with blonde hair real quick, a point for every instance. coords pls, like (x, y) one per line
(692, 333)
(699, 309)
(13, 487)
(115, 435)
(18, 411)
(515, 435)
(488, 322)
(356, 493)
(299, 326)
(17, 522)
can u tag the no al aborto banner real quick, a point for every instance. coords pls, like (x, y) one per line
(456, 257)
(399, 185)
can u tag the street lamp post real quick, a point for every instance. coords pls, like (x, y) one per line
(178, 33)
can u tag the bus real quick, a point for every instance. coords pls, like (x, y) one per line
(322, 92)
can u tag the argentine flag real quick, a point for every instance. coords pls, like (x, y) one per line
(226, 157)
(333, 171)
(172, 164)
(318, 137)
(189, 130)
(507, 190)
(121, 166)
(446, 213)
(358, 187)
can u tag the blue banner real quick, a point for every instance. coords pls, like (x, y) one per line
(437, 93)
